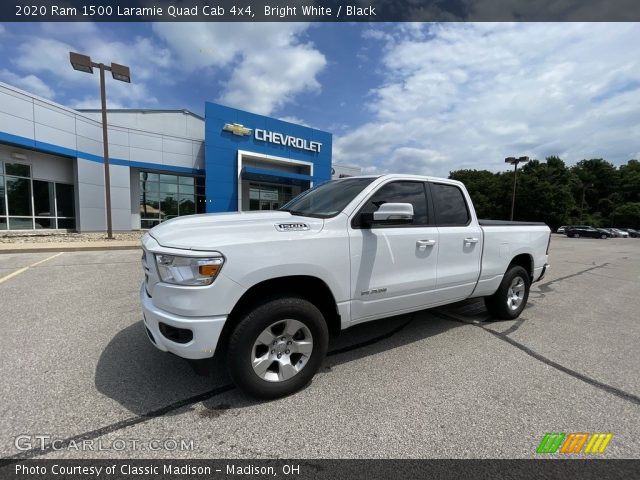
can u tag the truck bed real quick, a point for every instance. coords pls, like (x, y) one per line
(506, 223)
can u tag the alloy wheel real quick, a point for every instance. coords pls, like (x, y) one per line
(282, 350)
(515, 293)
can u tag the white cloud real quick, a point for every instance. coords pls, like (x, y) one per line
(468, 95)
(292, 119)
(93, 102)
(30, 83)
(270, 63)
(48, 56)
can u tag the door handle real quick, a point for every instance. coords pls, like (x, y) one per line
(471, 240)
(423, 244)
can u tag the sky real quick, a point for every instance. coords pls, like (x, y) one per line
(398, 98)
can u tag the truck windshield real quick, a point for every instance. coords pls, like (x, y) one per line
(327, 199)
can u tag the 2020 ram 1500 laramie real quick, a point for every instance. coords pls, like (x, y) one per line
(266, 289)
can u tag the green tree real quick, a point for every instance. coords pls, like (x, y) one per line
(630, 181)
(627, 215)
(484, 189)
(544, 192)
(596, 187)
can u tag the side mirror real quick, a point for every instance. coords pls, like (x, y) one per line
(393, 213)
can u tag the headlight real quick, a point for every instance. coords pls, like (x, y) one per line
(188, 270)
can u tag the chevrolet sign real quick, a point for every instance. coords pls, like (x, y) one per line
(236, 129)
(286, 140)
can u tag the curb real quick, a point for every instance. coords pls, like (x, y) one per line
(70, 248)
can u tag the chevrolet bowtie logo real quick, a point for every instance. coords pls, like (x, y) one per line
(236, 129)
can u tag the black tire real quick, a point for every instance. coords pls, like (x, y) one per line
(576, 235)
(498, 305)
(603, 236)
(240, 351)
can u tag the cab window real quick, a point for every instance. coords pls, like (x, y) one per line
(449, 205)
(398, 192)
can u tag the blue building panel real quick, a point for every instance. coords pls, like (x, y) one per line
(221, 152)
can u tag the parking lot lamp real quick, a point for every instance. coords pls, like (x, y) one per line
(83, 63)
(515, 161)
(584, 190)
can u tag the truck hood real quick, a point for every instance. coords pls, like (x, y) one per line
(212, 231)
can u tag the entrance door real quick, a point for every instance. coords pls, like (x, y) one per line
(268, 205)
(263, 196)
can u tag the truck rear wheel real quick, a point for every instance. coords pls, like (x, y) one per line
(277, 347)
(512, 295)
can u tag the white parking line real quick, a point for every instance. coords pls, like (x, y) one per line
(24, 269)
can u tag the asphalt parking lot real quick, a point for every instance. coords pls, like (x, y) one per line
(76, 365)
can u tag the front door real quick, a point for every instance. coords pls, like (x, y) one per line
(393, 267)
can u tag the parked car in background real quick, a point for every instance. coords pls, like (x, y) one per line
(633, 232)
(584, 231)
(605, 231)
(561, 229)
(620, 233)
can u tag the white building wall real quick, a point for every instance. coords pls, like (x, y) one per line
(150, 141)
(180, 123)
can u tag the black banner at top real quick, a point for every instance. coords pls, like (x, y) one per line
(319, 10)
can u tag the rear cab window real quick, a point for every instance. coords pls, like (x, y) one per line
(450, 206)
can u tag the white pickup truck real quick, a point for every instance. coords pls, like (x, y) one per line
(266, 289)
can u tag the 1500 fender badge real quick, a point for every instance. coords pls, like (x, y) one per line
(295, 227)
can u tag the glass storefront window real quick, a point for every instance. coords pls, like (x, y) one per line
(43, 199)
(19, 196)
(168, 188)
(187, 189)
(164, 196)
(45, 223)
(149, 177)
(3, 210)
(149, 204)
(268, 197)
(18, 169)
(148, 223)
(27, 203)
(65, 200)
(187, 205)
(168, 207)
(68, 223)
(20, 223)
(169, 178)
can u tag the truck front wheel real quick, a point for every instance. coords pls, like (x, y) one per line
(511, 297)
(277, 347)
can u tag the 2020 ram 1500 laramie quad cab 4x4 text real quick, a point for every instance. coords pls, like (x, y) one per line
(266, 289)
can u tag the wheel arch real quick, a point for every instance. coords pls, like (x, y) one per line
(311, 288)
(525, 260)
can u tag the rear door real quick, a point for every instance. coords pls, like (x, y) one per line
(460, 250)
(393, 267)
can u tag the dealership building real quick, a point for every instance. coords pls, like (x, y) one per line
(163, 163)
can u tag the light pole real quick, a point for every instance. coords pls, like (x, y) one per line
(515, 161)
(584, 190)
(83, 63)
